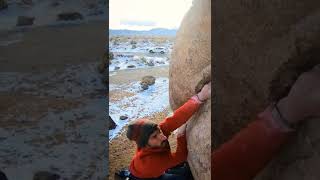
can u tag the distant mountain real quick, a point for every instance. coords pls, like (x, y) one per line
(152, 32)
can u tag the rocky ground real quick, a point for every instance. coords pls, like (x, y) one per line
(53, 102)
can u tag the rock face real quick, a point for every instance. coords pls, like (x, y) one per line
(261, 47)
(190, 69)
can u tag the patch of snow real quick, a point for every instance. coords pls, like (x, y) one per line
(142, 104)
(124, 60)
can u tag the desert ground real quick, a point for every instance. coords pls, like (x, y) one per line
(53, 101)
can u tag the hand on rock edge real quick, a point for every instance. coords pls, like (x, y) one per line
(205, 92)
(303, 100)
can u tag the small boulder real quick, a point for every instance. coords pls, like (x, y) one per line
(148, 80)
(123, 117)
(25, 21)
(44, 175)
(112, 124)
(3, 4)
(131, 66)
(69, 16)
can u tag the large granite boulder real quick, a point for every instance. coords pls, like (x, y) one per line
(190, 69)
(261, 47)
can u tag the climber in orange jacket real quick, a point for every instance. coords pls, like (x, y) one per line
(251, 149)
(153, 158)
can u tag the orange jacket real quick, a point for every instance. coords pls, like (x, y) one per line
(250, 150)
(153, 162)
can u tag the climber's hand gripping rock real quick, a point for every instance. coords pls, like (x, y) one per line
(303, 100)
(205, 92)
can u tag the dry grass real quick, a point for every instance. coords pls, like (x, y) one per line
(121, 150)
(117, 95)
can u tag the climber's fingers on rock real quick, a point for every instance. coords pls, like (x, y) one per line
(207, 87)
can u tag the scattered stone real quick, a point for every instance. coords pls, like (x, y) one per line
(111, 56)
(124, 117)
(131, 66)
(144, 86)
(69, 16)
(3, 4)
(112, 124)
(44, 175)
(150, 63)
(25, 21)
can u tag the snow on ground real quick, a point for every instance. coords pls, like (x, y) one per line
(143, 46)
(60, 122)
(142, 104)
(130, 61)
(135, 54)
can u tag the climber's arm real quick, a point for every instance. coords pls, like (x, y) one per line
(180, 116)
(183, 113)
(250, 150)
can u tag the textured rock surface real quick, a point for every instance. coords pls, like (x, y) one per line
(190, 69)
(261, 47)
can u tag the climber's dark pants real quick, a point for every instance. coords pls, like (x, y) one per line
(180, 172)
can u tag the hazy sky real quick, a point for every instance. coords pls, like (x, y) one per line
(147, 14)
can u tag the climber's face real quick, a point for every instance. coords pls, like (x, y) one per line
(157, 139)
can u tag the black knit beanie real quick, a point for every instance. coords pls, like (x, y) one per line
(140, 131)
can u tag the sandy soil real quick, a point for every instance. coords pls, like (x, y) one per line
(53, 102)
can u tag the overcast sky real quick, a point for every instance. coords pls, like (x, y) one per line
(147, 14)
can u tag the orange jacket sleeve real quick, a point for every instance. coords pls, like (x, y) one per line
(162, 162)
(250, 150)
(180, 116)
